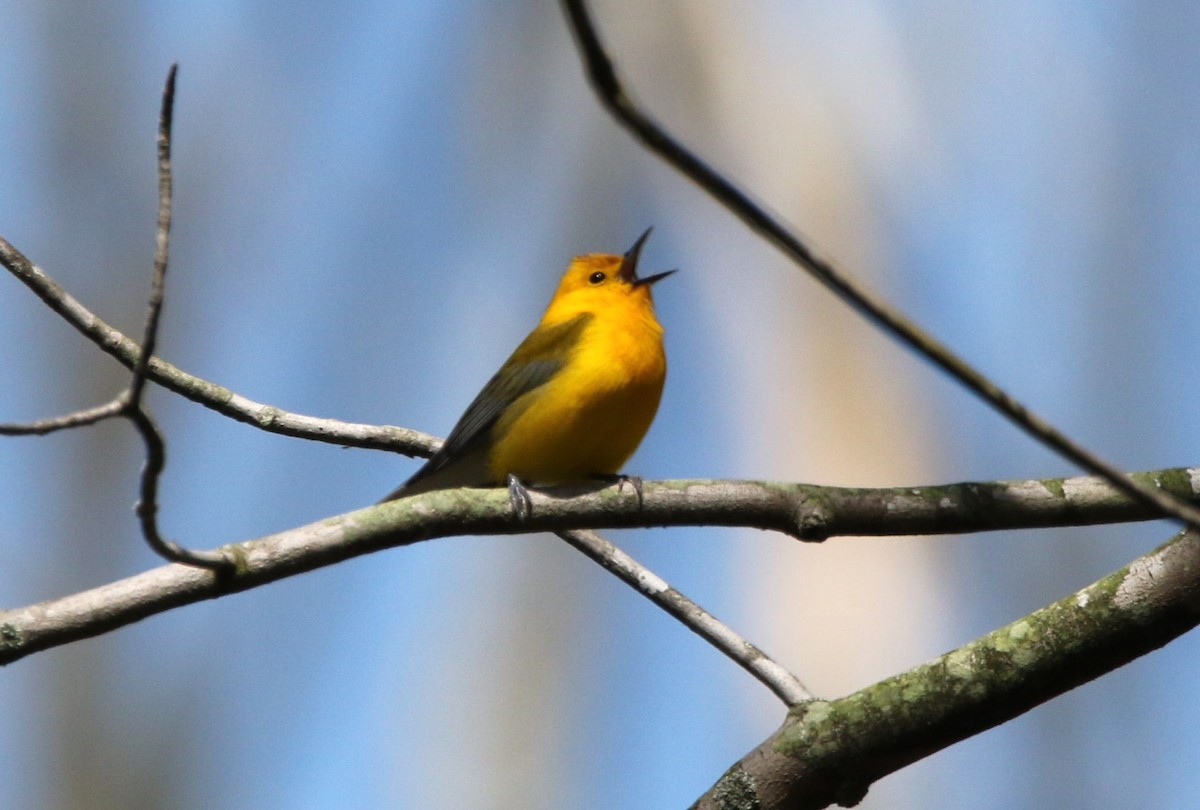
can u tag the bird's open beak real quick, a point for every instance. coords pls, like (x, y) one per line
(629, 262)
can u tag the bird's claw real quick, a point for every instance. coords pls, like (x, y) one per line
(621, 479)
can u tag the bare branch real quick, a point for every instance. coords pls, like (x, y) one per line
(147, 504)
(87, 416)
(618, 102)
(27, 630)
(814, 513)
(129, 404)
(465, 512)
(162, 242)
(979, 506)
(785, 685)
(133, 409)
(831, 751)
(209, 394)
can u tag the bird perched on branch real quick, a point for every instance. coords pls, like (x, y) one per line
(574, 400)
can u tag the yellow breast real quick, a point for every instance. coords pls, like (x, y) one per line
(591, 416)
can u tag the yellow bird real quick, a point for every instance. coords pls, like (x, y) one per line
(574, 400)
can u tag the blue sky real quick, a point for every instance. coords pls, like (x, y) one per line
(373, 204)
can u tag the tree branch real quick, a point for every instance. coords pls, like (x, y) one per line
(831, 751)
(784, 684)
(781, 507)
(617, 100)
(129, 404)
(203, 392)
(134, 410)
(86, 416)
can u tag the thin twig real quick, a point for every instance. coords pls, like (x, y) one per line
(156, 451)
(87, 416)
(162, 240)
(146, 507)
(784, 684)
(619, 103)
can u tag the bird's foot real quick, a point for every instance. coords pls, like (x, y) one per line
(518, 496)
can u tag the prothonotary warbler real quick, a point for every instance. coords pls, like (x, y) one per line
(574, 400)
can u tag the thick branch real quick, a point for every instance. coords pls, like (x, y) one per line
(463, 511)
(978, 506)
(811, 512)
(830, 752)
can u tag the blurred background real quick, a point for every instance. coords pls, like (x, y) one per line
(373, 204)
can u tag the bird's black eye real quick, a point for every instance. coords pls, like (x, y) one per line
(597, 278)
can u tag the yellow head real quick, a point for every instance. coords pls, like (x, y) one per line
(600, 282)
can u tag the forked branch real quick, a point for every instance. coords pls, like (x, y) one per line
(129, 404)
